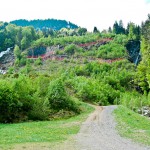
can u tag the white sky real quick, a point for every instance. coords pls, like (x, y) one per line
(85, 13)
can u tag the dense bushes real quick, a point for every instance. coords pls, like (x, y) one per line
(101, 83)
(91, 90)
(39, 97)
(71, 49)
(35, 52)
(58, 97)
(63, 41)
(9, 105)
(134, 100)
(25, 98)
(111, 50)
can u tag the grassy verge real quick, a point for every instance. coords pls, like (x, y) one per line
(132, 125)
(41, 132)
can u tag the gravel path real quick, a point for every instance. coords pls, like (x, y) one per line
(98, 133)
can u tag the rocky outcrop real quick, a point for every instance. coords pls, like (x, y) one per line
(145, 111)
(6, 61)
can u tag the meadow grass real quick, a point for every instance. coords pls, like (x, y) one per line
(42, 131)
(133, 125)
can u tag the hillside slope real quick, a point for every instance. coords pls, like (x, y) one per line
(48, 23)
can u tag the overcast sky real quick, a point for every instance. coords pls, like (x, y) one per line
(85, 13)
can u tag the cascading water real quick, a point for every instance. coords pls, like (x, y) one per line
(4, 52)
(1, 55)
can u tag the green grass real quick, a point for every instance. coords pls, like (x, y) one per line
(132, 125)
(41, 132)
(54, 66)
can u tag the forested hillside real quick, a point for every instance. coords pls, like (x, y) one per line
(54, 71)
(49, 23)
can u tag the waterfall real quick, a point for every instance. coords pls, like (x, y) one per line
(4, 52)
(1, 55)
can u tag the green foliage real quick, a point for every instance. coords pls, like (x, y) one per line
(58, 97)
(38, 61)
(142, 77)
(65, 40)
(41, 132)
(82, 31)
(11, 70)
(118, 28)
(111, 50)
(132, 100)
(23, 88)
(9, 104)
(105, 82)
(94, 91)
(143, 70)
(72, 49)
(17, 52)
(40, 108)
(121, 39)
(134, 31)
(132, 125)
(79, 76)
(131, 32)
(95, 30)
(42, 24)
(22, 99)
(42, 84)
(24, 43)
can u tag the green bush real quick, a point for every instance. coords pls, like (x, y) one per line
(71, 49)
(40, 109)
(42, 84)
(89, 89)
(58, 97)
(38, 61)
(10, 107)
(22, 86)
(134, 100)
(111, 51)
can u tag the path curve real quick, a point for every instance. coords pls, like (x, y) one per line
(98, 133)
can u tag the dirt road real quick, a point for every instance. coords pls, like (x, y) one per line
(98, 133)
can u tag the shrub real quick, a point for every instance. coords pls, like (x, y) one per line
(38, 61)
(22, 86)
(10, 107)
(40, 109)
(42, 84)
(94, 91)
(111, 51)
(133, 100)
(58, 97)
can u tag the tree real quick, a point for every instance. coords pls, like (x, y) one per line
(118, 27)
(19, 36)
(24, 43)
(131, 34)
(11, 32)
(109, 30)
(17, 52)
(143, 76)
(59, 98)
(82, 31)
(2, 40)
(95, 30)
(133, 31)
(115, 27)
(121, 28)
